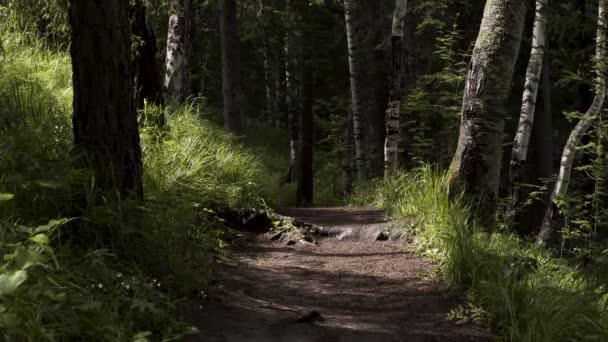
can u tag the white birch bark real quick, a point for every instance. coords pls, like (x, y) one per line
(176, 68)
(353, 65)
(476, 165)
(569, 153)
(391, 144)
(526, 119)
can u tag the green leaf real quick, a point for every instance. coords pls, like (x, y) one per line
(142, 336)
(10, 281)
(25, 258)
(42, 239)
(6, 197)
(45, 228)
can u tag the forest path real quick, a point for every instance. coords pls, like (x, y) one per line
(362, 290)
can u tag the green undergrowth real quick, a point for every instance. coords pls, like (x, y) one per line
(81, 264)
(515, 287)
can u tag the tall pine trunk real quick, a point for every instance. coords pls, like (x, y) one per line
(177, 73)
(476, 165)
(105, 122)
(526, 119)
(305, 187)
(147, 75)
(292, 92)
(393, 114)
(231, 68)
(574, 140)
(353, 64)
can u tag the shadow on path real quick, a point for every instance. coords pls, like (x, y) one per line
(364, 291)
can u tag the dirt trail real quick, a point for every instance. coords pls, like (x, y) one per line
(362, 290)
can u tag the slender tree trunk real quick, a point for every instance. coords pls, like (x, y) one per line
(281, 87)
(291, 87)
(147, 76)
(542, 140)
(177, 75)
(105, 122)
(393, 113)
(268, 83)
(353, 62)
(476, 165)
(528, 109)
(231, 68)
(305, 171)
(569, 153)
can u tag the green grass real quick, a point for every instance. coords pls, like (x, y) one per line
(515, 287)
(116, 270)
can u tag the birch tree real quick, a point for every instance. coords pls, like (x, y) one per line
(231, 67)
(356, 105)
(528, 108)
(476, 165)
(393, 114)
(176, 82)
(574, 140)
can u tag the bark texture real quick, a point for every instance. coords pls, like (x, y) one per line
(147, 76)
(569, 153)
(526, 119)
(292, 92)
(476, 165)
(231, 68)
(177, 76)
(105, 122)
(304, 196)
(393, 113)
(354, 65)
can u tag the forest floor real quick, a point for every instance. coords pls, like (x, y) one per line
(348, 288)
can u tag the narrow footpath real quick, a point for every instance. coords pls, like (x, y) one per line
(345, 287)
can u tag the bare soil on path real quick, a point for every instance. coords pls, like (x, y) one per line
(344, 290)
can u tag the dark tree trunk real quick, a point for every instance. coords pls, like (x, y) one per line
(542, 138)
(105, 123)
(147, 75)
(292, 87)
(231, 68)
(305, 188)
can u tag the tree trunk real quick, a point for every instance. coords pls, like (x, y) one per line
(353, 63)
(231, 68)
(105, 122)
(291, 88)
(147, 76)
(542, 140)
(528, 109)
(270, 104)
(393, 113)
(476, 165)
(569, 153)
(305, 188)
(177, 75)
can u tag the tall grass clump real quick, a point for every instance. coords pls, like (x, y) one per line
(197, 161)
(515, 287)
